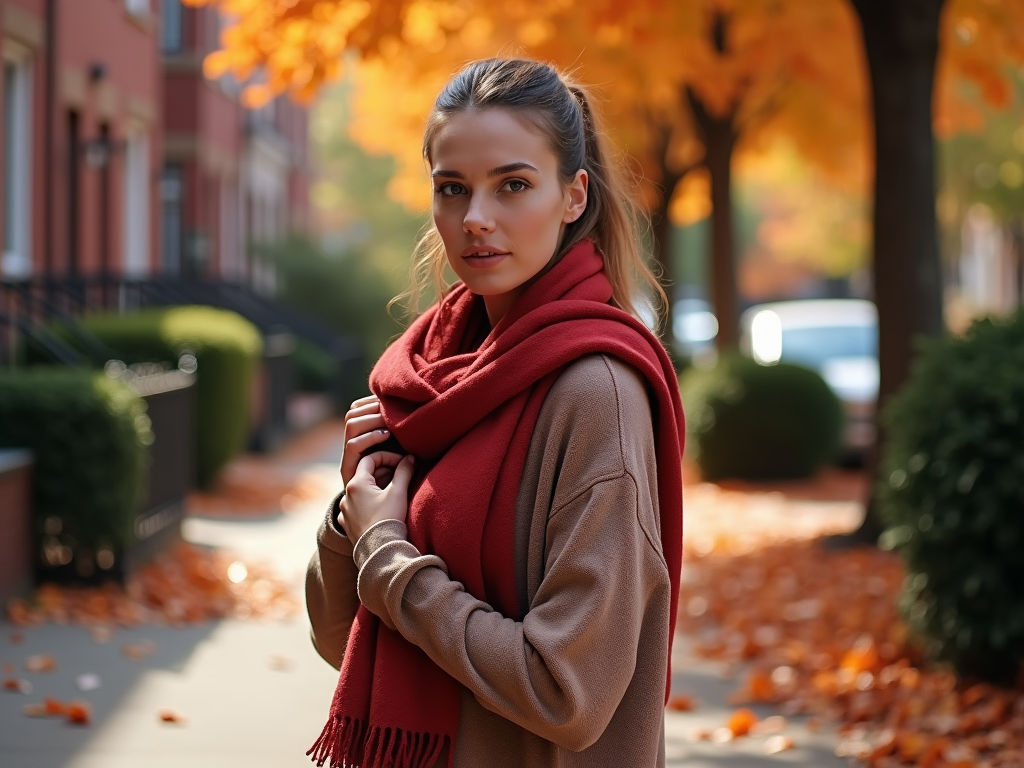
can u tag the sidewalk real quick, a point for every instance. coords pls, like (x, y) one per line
(254, 694)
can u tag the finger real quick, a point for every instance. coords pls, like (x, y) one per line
(365, 410)
(363, 401)
(403, 475)
(369, 464)
(361, 425)
(355, 448)
(358, 445)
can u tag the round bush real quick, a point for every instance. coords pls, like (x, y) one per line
(952, 494)
(89, 435)
(227, 348)
(759, 422)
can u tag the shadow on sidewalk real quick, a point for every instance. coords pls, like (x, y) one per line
(28, 742)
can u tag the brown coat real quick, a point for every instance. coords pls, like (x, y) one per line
(581, 680)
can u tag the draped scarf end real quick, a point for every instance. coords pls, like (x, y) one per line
(347, 742)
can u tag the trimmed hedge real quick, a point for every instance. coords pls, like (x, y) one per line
(315, 370)
(759, 422)
(227, 348)
(89, 434)
(952, 494)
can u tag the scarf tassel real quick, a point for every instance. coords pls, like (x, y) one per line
(348, 743)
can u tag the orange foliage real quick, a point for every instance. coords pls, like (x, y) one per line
(741, 722)
(823, 636)
(183, 586)
(790, 68)
(820, 634)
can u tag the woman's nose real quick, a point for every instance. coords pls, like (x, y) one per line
(477, 218)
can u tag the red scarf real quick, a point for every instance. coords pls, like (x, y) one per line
(468, 415)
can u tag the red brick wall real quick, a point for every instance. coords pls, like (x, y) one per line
(15, 522)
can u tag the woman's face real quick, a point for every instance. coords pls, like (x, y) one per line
(499, 204)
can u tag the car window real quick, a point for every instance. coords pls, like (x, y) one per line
(813, 346)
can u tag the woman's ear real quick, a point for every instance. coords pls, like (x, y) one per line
(576, 197)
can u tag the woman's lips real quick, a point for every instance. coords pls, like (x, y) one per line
(483, 261)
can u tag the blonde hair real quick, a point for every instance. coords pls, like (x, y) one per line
(560, 109)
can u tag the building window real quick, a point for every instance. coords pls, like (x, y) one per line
(171, 26)
(171, 189)
(136, 205)
(17, 162)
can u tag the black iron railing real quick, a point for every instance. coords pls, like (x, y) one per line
(30, 308)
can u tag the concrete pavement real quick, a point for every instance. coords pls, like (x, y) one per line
(255, 693)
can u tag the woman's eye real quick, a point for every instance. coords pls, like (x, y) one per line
(515, 185)
(451, 189)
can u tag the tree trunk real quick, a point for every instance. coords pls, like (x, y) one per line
(901, 40)
(661, 226)
(719, 138)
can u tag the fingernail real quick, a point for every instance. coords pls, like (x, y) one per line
(383, 431)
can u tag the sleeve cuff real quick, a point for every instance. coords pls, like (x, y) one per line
(375, 537)
(330, 535)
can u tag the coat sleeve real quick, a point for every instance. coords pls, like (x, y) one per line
(331, 598)
(562, 671)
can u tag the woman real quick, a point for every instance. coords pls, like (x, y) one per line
(504, 594)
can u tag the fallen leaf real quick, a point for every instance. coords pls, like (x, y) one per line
(741, 721)
(54, 706)
(40, 663)
(779, 743)
(773, 724)
(79, 713)
(722, 735)
(16, 685)
(682, 703)
(170, 716)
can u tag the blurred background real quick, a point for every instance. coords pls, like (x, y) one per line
(206, 206)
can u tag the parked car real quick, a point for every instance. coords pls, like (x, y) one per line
(836, 337)
(694, 327)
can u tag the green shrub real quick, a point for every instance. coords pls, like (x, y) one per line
(89, 435)
(227, 348)
(756, 422)
(952, 493)
(315, 370)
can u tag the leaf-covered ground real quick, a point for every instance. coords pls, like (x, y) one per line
(816, 631)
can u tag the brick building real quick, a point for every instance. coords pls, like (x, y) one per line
(230, 176)
(120, 157)
(81, 136)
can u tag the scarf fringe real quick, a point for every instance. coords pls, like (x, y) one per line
(350, 743)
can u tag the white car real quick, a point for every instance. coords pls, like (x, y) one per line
(694, 327)
(836, 337)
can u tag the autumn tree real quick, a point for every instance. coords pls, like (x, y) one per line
(684, 84)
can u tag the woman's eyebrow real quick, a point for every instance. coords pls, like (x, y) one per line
(519, 166)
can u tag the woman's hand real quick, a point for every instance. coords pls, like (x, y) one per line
(364, 428)
(365, 502)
